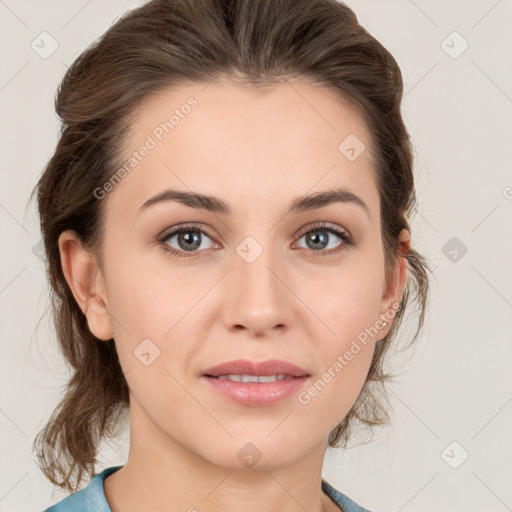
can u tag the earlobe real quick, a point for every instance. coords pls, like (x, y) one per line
(85, 280)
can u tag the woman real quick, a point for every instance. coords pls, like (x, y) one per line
(225, 221)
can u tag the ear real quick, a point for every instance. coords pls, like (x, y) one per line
(395, 284)
(86, 282)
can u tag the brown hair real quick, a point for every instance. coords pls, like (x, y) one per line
(169, 42)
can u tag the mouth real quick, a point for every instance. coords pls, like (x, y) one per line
(256, 383)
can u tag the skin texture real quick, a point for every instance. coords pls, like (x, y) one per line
(257, 151)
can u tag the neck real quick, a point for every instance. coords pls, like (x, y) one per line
(161, 474)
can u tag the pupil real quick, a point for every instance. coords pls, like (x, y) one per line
(189, 240)
(322, 236)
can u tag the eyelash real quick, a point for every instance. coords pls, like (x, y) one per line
(343, 235)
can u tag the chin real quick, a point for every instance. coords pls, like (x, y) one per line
(258, 454)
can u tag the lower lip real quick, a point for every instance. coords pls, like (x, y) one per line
(257, 394)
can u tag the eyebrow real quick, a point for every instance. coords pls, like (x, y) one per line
(216, 205)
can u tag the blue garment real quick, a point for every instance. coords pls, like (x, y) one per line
(92, 497)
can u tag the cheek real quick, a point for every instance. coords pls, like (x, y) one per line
(346, 301)
(349, 305)
(142, 294)
(139, 312)
(155, 314)
(333, 392)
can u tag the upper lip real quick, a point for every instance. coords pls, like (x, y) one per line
(248, 367)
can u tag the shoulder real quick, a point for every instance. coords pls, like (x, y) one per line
(344, 502)
(89, 499)
(92, 497)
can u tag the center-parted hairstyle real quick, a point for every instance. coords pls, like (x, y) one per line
(167, 43)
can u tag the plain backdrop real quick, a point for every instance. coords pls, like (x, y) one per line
(449, 445)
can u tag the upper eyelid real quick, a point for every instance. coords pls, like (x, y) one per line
(185, 227)
(323, 225)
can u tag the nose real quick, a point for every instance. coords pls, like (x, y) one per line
(258, 297)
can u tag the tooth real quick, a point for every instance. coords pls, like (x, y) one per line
(253, 378)
(267, 378)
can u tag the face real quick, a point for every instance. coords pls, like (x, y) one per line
(253, 278)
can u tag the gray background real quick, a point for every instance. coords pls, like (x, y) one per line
(453, 395)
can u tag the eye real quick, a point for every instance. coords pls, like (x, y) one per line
(189, 240)
(318, 239)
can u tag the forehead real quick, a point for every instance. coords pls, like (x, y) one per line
(222, 109)
(228, 140)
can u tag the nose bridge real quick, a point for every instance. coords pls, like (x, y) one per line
(258, 298)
